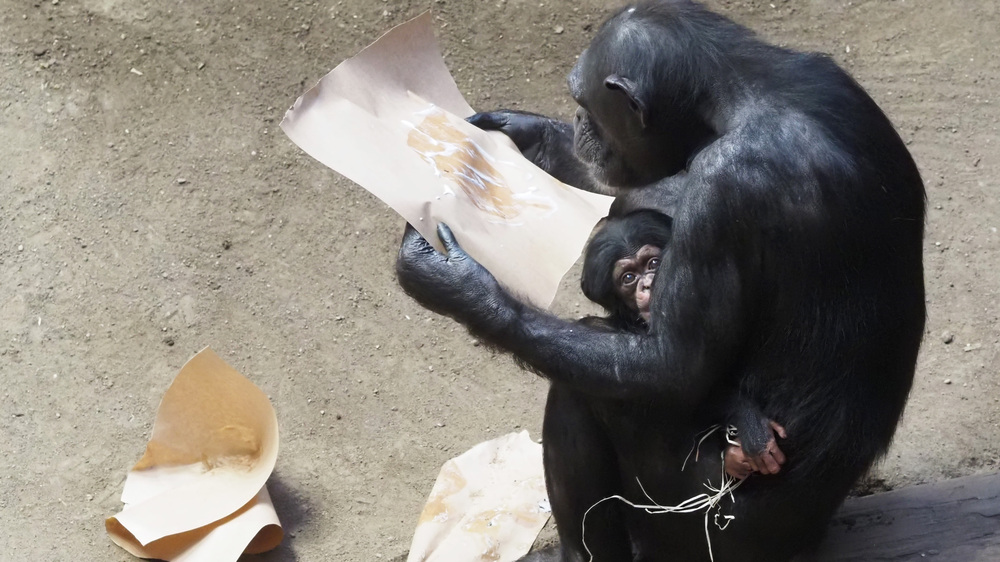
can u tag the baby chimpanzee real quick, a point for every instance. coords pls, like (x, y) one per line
(618, 271)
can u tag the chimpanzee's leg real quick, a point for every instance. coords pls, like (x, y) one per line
(581, 468)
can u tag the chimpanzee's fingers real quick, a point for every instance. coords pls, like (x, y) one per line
(413, 243)
(779, 456)
(770, 464)
(738, 471)
(448, 239)
(409, 232)
(733, 462)
(489, 120)
(411, 239)
(778, 429)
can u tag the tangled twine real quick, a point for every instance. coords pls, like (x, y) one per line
(707, 502)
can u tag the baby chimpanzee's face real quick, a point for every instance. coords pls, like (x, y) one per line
(633, 276)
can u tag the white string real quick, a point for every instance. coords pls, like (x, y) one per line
(696, 447)
(707, 502)
(732, 435)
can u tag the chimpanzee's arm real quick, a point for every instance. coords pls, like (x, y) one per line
(696, 328)
(547, 142)
(588, 358)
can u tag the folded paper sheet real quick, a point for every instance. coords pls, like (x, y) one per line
(488, 504)
(198, 493)
(391, 120)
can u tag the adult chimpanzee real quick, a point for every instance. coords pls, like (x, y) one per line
(619, 266)
(794, 274)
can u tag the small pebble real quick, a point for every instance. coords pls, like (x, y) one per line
(181, 181)
(559, 29)
(947, 381)
(947, 337)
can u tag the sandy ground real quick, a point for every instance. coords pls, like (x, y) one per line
(146, 214)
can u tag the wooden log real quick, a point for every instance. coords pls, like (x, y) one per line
(956, 521)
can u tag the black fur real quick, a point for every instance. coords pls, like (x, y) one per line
(794, 274)
(621, 237)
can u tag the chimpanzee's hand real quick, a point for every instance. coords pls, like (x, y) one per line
(532, 133)
(761, 448)
(452, 283)
(736, 463)
(757, 452)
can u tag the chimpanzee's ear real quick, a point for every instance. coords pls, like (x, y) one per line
(631, 91)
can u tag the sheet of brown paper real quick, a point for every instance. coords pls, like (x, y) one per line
(391, 120)
(198, 493)
(488, 504)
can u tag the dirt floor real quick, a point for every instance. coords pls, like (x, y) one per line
(150, 206)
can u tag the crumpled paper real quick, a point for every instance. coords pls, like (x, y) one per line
(198, 493)
(488, 504)
(391, 120)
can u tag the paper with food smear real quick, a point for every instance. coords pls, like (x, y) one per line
(488, 504)
(391, 119)
(198, 494)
